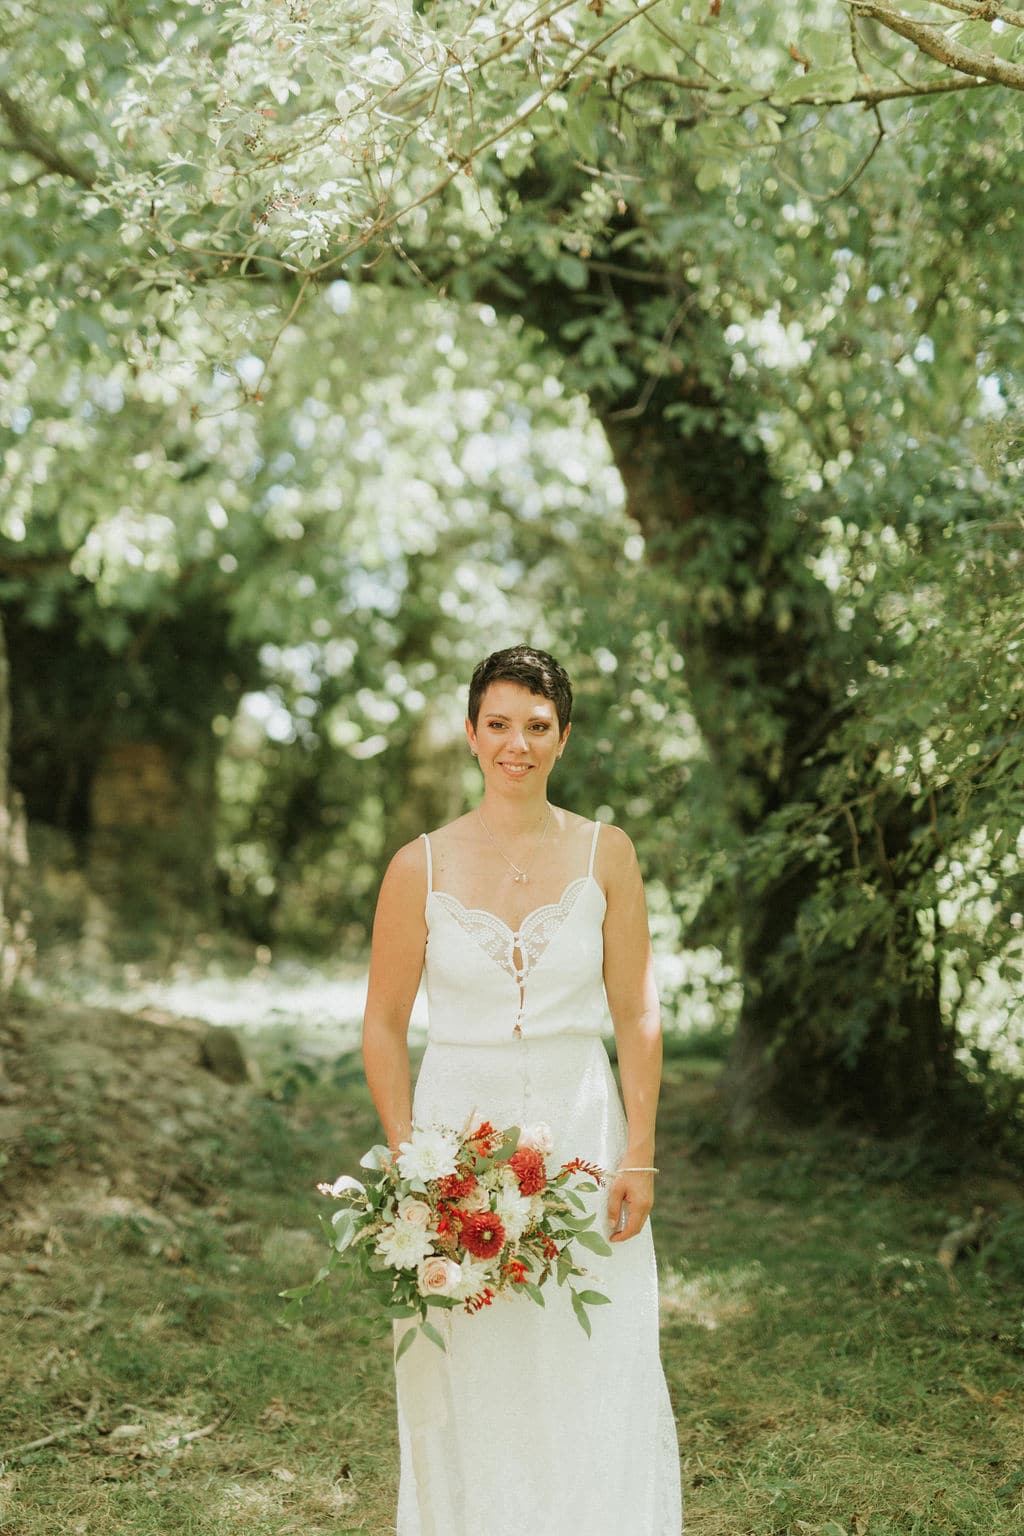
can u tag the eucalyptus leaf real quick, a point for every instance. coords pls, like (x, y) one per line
(406, 1342)
(432, 1334)
(344, 1224)
(581, 1312)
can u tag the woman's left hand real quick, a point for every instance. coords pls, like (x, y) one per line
(632, 1193)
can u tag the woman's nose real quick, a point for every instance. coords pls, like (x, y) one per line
(517, 741)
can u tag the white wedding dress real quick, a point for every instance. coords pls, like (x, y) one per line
(524, 1426)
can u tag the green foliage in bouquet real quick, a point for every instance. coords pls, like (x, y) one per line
(460, 1219)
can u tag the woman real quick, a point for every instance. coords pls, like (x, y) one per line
(526, 917)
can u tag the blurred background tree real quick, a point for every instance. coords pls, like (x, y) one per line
(349, 343)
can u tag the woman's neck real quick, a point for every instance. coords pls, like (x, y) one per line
(509, 818)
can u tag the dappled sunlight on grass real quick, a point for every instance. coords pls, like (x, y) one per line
(324, 1001)
(710, 1297)
(281, 1494)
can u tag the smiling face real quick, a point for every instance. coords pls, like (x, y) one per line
(516, 737)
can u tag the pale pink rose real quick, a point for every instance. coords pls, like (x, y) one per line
(416, 1213)
(478, 1199)
(538, 1137)
(438, 1277)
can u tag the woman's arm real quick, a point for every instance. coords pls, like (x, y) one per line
(636, 1015)
(396, 963)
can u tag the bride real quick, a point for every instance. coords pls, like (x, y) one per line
(530, 925)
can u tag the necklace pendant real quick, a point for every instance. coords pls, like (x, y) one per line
(518, 1032)
(520, 879)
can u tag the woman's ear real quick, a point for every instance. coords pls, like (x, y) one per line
(565, 738)
(471, 736)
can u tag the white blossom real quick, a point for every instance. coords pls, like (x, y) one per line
(430, 1154)
(344, 1184)
(404, 1246)
(515, 1211)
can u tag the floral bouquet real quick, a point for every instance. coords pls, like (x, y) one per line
(460, 1219)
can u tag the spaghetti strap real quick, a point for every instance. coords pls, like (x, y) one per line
(430, 864)
(593, 850)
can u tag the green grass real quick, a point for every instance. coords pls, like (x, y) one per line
(827, 1377)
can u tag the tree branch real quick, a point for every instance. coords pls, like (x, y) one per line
(867, 98)
(935, 42)
(985, 10)
(30, 140)
(32, 563)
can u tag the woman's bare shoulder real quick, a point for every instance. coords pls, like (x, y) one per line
(451, 832)
(616, 856)
(408, 864)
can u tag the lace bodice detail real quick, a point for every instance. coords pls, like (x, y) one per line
(486, 980)
(501, 942)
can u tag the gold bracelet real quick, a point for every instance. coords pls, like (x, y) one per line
(636, 1170)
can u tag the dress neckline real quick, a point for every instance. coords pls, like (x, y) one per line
(548, 906)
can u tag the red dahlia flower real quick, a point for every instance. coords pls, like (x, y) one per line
(482, 1234)
(454, 1185)
(528, 1167)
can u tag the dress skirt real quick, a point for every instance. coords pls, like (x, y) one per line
(524, 1426)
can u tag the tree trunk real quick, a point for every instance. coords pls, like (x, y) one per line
(118, 752)
(15, 941)
(843, 1035)
(841, 1031)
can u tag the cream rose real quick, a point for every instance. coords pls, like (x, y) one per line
(538, 1137)
(478, 1199)
(438, 1277)
(415, 1213)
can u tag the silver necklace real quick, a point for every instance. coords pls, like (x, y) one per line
(519, 876)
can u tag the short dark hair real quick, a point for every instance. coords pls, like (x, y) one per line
(531, 669)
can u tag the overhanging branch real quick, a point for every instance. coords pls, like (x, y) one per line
(985, 10)
(30, 140)
(938, 44)
(868, 97)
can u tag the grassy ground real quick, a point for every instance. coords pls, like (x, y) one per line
(827, 1377)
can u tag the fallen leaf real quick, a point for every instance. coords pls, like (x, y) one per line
(277, 1414)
